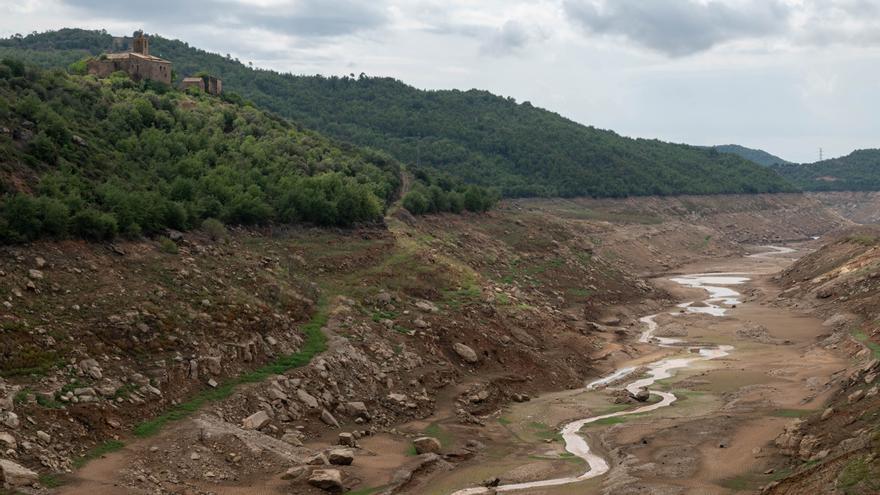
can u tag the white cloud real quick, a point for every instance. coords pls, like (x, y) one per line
(790, 75)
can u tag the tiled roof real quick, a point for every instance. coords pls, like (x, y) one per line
(123, 56)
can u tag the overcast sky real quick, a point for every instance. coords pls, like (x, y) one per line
(787, 76)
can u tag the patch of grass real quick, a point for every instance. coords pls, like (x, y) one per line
(585, 257)
(545, 432)
(615, 408)
(504, 421)
(608, 421)
(403, 330)
(315, 343)
(98, 451)
(21, 396)
(580, 292)
(564, 456)
(50, 481)
(49, 402)
(411, 451)
(864, 339)
(859, 476)
(124, 391)
(457, 298)
(32, 361)
(383, 315)
(863, 239)
(503, 299)
(436, 431)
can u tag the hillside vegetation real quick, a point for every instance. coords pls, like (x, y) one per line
(94, 158)
(473, 135)
(858, 171)
(760, 157)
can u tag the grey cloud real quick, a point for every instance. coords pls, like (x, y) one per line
(306, 18)
(679, 27)
(511, 36)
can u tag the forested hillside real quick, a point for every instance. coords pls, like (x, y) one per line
(858, 171)
(760, 157)
(87, 158)
(473, 135)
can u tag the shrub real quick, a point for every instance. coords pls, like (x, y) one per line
(214, 228)
(90, 223)
(166, 245)
(416, 203)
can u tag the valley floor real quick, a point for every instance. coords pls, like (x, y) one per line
(233, 366)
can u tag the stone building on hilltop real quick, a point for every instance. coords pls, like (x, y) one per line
(138, 63)
(209, 84)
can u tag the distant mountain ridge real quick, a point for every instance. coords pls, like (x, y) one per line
(858, 171)
(473, 135)
(760, 157)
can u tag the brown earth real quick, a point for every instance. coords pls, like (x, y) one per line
(546, 294)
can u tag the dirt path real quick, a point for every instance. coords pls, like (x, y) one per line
(713, 439)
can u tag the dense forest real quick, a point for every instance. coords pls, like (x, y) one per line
(760, 157)
(472, 135)
(858, 171)
(96, 158)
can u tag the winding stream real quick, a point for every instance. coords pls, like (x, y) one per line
(721, 297)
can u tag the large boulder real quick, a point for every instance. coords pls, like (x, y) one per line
(295, 473)
(327, 479)
(427, 445)
(255, 421)
(329, 419)
(307, 398)
(347, 439)
(641, 395)
(14, 475)
(7, 441)
(466, 353)
(358, 410)
(340, 457)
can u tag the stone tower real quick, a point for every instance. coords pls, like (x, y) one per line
(141, 44)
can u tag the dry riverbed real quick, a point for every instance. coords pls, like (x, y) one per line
(715, 438)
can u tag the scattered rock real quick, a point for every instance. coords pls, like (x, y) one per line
(327, 479)
(641, 395)
(307, 398)
(347, 439)
(44, 437)
(827, 413)
(426, 445)
(317, 459)
(295, 473)
(255, 421)
(466, 353)
(427, 307)
(15, 475)
(340, 457)
(293, 439)
(328, 418)
(855, 396)
(358, 410)
(7, 440)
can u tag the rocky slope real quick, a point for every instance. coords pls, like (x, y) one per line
(859, 206)
(837, 451)
(249, 353)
